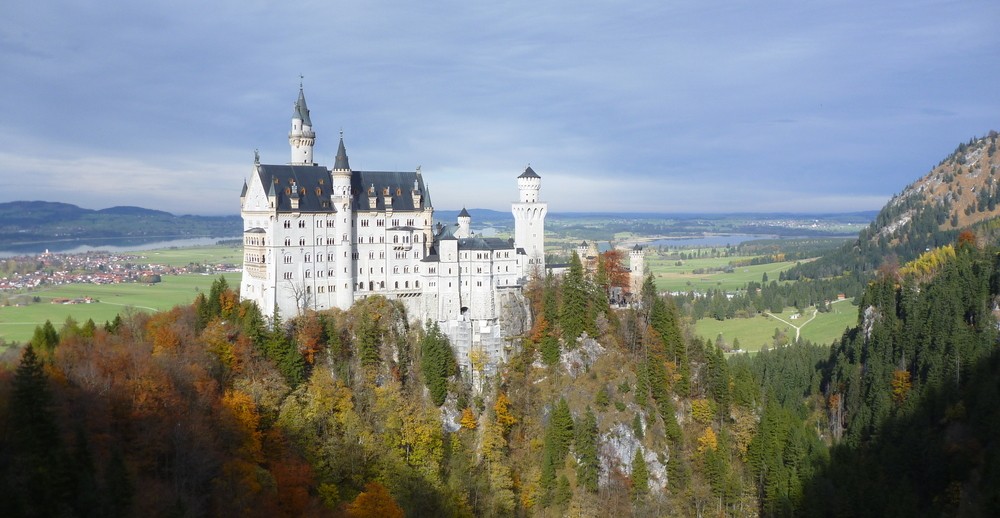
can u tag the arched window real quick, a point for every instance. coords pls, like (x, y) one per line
(397, 285)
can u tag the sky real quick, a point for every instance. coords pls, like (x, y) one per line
(643, 106)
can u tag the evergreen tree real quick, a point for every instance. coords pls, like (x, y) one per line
(437, 362)
(574, 311)
(119, 490)
(640, 475)
(38, 474)
(45, 339)
(588, 466)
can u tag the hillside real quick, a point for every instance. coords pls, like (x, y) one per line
(961, 192)
(25, 222)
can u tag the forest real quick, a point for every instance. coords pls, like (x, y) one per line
(215, 409)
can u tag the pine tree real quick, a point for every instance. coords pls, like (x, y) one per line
(38, 474)
(437, 362)
(574, 312)
(45, 339)
(640, 475)
(588, 466)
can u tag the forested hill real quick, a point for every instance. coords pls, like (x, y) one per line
(911, 394)
(32, 221)
(962, 191)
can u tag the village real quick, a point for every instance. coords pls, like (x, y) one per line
(30, 272)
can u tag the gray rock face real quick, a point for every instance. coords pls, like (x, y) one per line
(618, 447)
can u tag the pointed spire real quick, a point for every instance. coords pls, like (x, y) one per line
(341, 163)
(464, 213)
(301, 111)
(244, 193)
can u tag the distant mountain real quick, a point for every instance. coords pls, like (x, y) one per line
(24, 222)
(134, 211)
(961, 192)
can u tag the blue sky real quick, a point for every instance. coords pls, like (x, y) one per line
(659, 106)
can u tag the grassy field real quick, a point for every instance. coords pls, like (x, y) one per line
(758, 331)
(200, 255)
(672, 277)
(18, 323)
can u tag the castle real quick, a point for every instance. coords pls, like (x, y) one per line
(317, 238)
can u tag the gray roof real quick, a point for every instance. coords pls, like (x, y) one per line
(398, 184)
(341, 162)
(255, 230)
(464, 213)
(300, 110)
(484, 243)
(529, 173)
(244, 193)
(313, 185)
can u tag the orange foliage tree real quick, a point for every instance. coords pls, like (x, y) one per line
(374, 502)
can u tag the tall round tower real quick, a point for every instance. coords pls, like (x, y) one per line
(344, 237)
(302, 137)
(529, 221)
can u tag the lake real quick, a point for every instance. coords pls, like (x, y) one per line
(113, 244)
(707, 240)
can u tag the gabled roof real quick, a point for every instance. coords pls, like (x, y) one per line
(244, 193)
(398, 184)
(313, 186)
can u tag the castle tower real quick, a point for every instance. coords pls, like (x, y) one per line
(637, 267)
(529, 221)
(464, 224)
(341, 200)
(302, 137)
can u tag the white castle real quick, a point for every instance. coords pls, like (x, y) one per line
(317, 238)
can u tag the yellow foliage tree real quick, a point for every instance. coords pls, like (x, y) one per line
(502, 411)
(703, 410)
(707, 440)
(901, 385)
(468, 420)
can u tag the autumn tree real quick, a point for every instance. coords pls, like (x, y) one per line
(374, 502)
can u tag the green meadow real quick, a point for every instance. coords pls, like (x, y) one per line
(757, 332)
(671, 276)
(18, 323)
(196, 255)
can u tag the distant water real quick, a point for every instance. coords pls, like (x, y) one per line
(710, 240)
(77, 246)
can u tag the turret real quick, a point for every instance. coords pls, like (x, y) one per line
(342, 201)
(302, 137)
(464, 224)
(637, 267)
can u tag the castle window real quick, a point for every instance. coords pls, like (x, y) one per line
(309, 289)
(302, 241)
(406, 284)
(397, 285)
(395, 269)
(307, 258)
(395, 239)
(288, 275)
(381, 285)
(371, 255)
(371, 285)
(288, 241)
(302, 224)
(416, 284)
(288, 259)
(308, 274)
